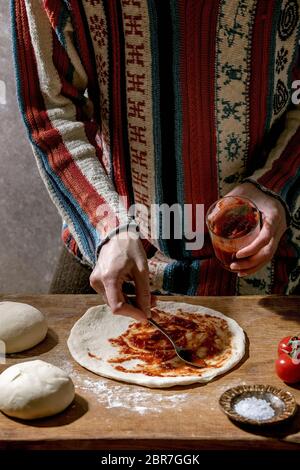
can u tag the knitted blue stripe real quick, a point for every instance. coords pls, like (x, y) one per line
(172, 277)
(178, 112)
(156, 119)
(168, 277)
(194, 277)
(85, 232)
(63, 17)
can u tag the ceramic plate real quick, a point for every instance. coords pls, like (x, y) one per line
(282, 402)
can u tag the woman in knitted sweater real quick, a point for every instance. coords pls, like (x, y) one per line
(154, 103)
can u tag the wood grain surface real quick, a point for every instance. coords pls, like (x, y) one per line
(111, 415)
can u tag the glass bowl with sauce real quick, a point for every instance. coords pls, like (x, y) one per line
(233, 223)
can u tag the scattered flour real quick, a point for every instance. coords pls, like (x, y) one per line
(127, 396)
(137, 399)
(130, 397)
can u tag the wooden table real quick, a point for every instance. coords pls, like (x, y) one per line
(111, 415)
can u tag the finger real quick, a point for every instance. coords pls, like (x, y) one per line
(253, 270)
(117, 301)
(97, 285)
(102, 293)
(260, 258)
(261, 240)
(143, 297)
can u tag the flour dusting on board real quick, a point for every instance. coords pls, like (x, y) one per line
(131, 397)
(134, 398)
(127, 396)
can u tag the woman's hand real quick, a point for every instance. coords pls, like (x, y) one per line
(254, 256)
(122, 259)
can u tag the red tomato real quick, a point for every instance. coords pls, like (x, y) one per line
(283, 345)
(287, 369)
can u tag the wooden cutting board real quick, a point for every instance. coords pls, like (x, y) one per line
(109, 415)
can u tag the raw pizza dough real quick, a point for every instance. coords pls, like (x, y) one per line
(89, 345)
(21, 326)
(35, 389)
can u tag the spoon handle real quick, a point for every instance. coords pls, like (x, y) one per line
(153, 322)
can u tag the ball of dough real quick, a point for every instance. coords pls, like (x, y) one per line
(35, 389)
(21, 326)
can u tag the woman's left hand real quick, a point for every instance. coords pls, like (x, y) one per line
(254, 256)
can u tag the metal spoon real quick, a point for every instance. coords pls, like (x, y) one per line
(186, 355)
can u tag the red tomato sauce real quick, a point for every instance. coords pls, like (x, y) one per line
(155, 353)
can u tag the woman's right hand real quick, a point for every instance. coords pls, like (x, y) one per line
(122, 259)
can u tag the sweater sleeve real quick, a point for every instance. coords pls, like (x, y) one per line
(280, 175)
(58, 116)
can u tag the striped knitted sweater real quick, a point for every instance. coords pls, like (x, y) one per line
(163, 101)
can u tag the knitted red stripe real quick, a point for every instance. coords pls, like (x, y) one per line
(198, 21)
(214, 280)
(86, 54)
(53, 9)
(282, 269)
(260, 68)
(281, 276)
(120, 179)
(62, 64)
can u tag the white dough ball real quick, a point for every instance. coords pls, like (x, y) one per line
(35, 389)
(21, 326)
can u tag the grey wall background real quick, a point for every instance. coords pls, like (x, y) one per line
(29, 223)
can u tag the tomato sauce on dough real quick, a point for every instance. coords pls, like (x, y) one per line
(208, 338)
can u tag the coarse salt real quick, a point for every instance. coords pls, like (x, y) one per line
(254, 408)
